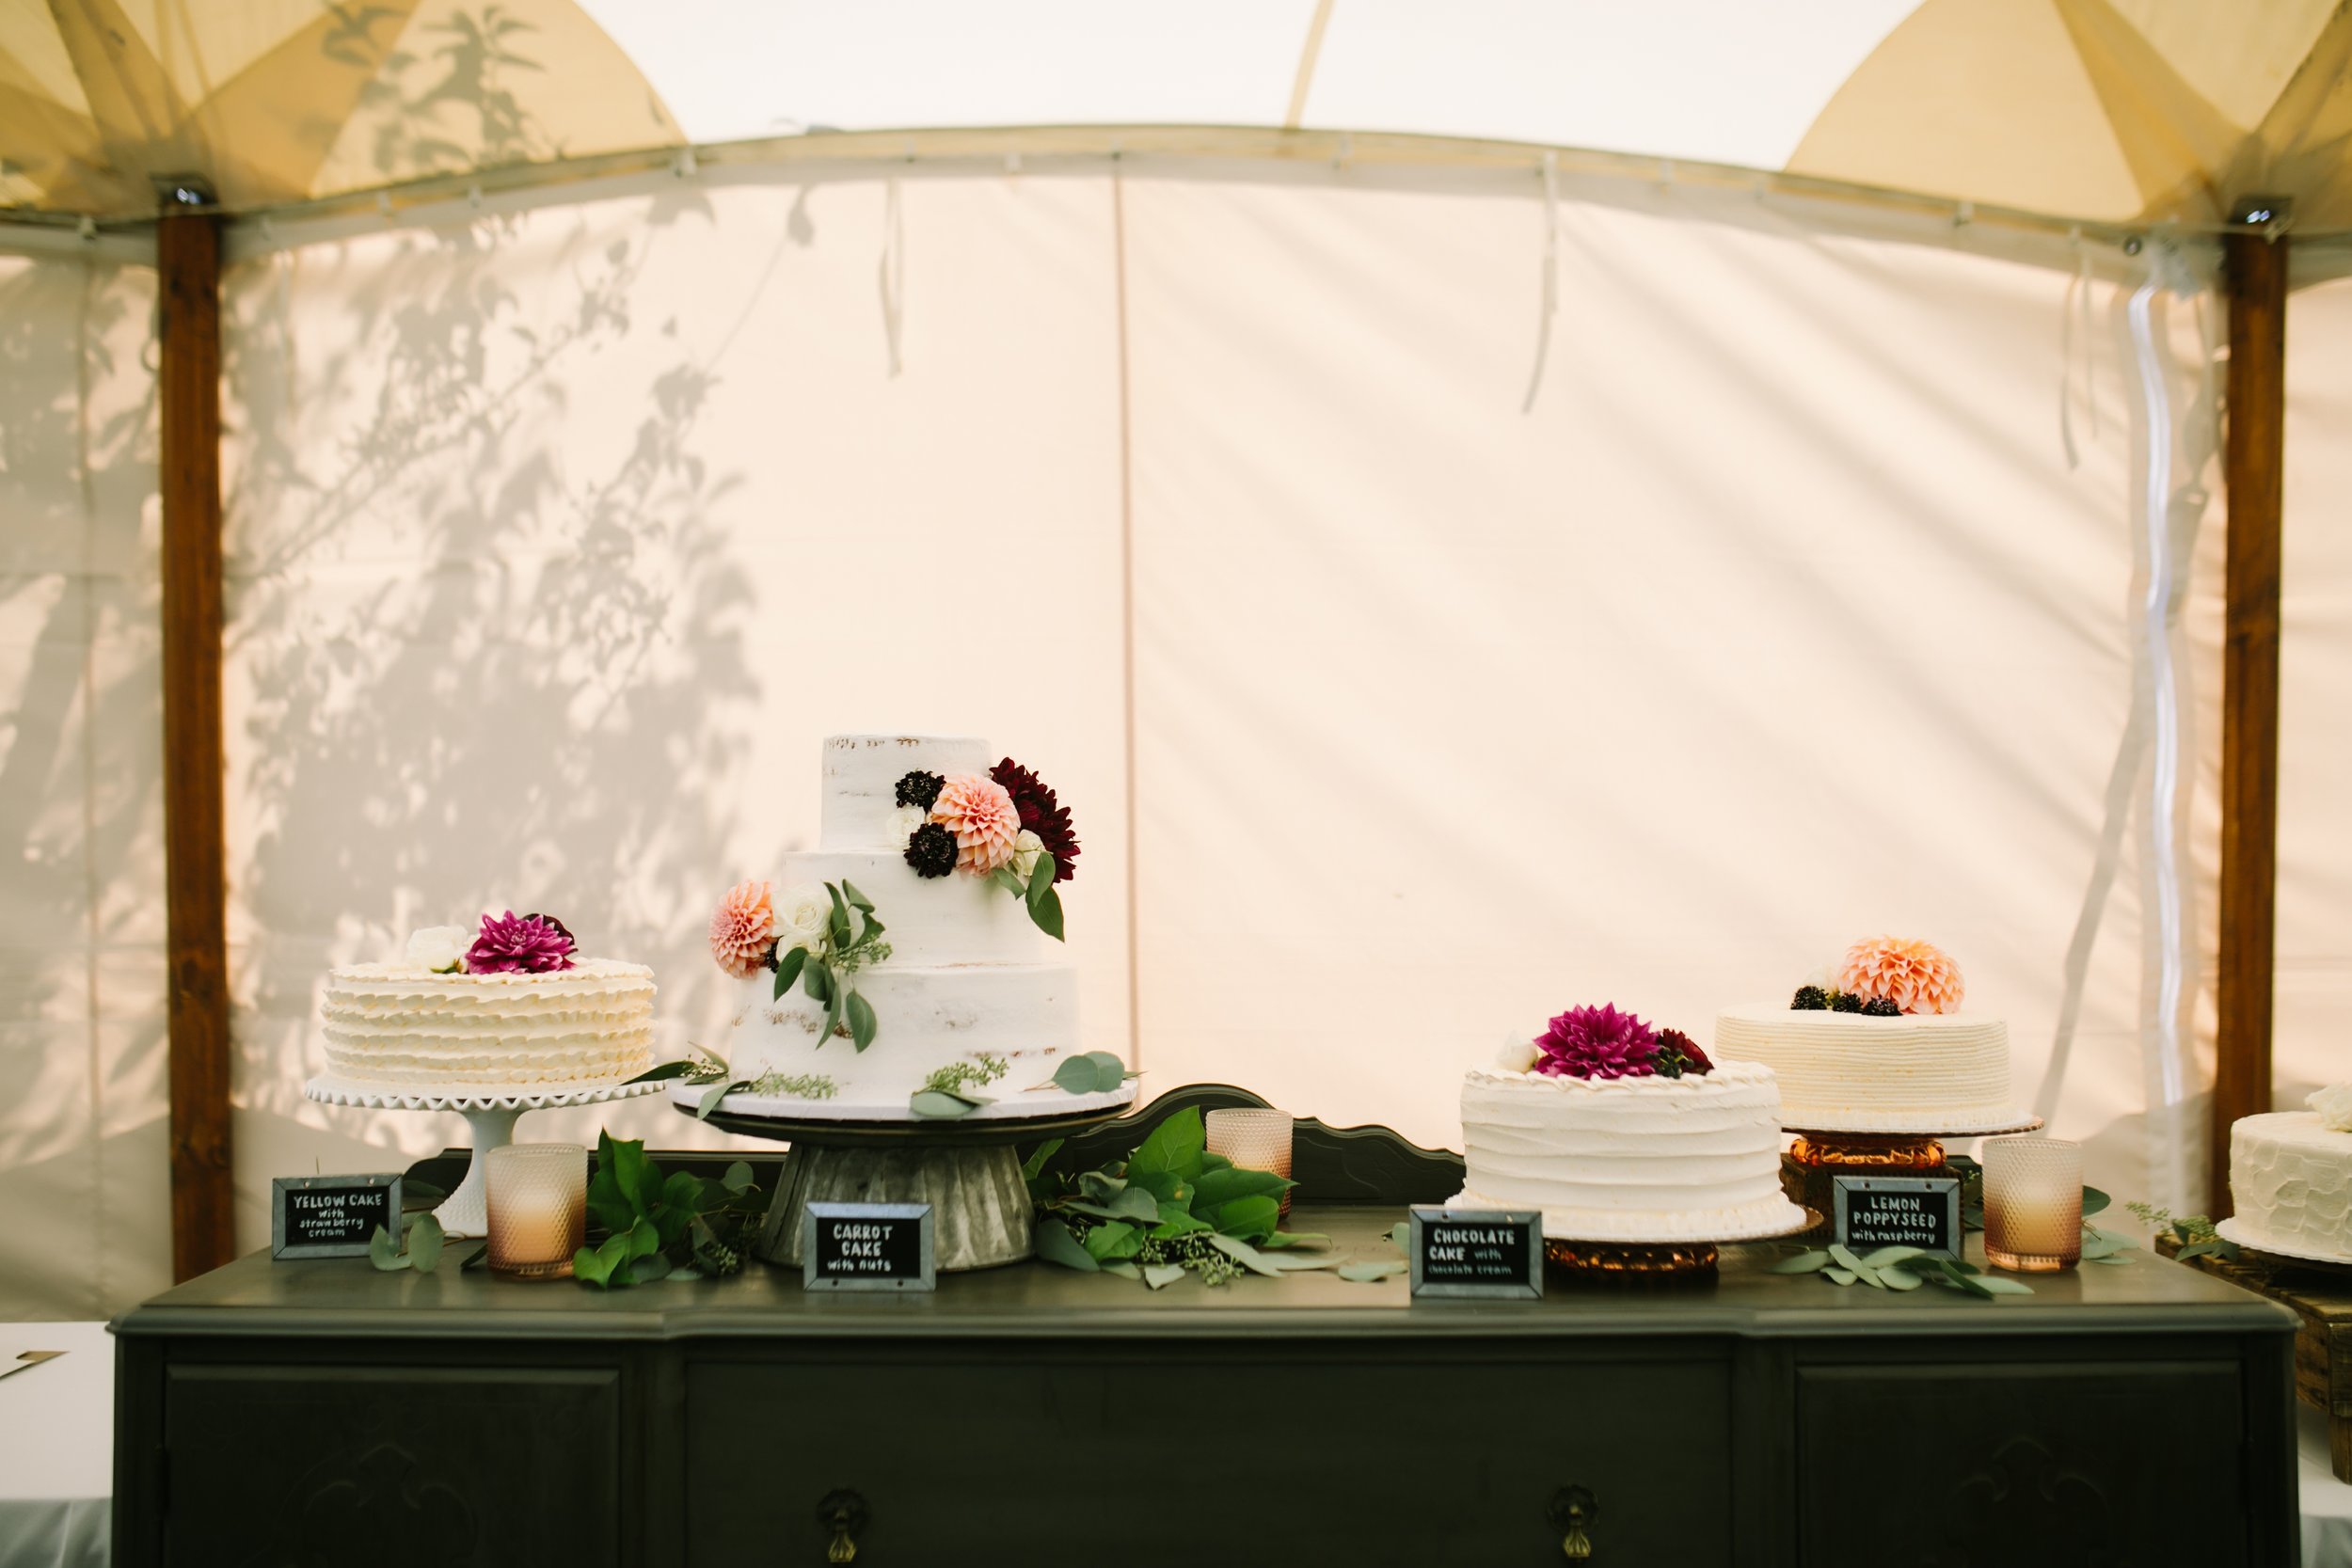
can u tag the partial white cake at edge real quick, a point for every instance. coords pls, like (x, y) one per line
(1941, 1070)
(403, 1023)
(1694, 1158)
(2290, 1182)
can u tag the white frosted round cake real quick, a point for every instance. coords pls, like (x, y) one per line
(1880, 1046)
(2291, 1180)
(435, 1020)
(913, 952)
(1641, 1141)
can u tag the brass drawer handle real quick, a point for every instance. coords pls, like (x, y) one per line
(844, 1514)
(1573, 1511)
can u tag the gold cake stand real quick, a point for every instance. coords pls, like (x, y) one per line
(1649, 1262)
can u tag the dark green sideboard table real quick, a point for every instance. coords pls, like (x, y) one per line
(303, 1413)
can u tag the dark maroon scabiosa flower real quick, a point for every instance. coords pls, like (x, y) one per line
(1041, 815)
(932, 850)
(919, 788)
(1678, 1054)
(520, 944)
(1596, 1042)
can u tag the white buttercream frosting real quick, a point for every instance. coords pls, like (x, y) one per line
(1696, 1158)
(2290, 1182)
(969, 973)
(404, 1023)
(1925, 1072)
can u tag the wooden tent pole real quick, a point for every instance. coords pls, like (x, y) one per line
(2255, 269)
(187, 250)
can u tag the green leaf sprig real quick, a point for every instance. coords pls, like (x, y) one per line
(420, 1245)
(828, 973)
(2195, 1232)
(1037, 895)
(1900, 1268)
(1168, 1208)
(948, 1094)
(678, 1226)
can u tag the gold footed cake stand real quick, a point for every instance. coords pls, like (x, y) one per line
(1651, 1262)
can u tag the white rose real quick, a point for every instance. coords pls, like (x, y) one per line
(1027, 847)
(439, 948)
(1516, 1055)
(900, 824)
(2334, 1106)
(804, 915)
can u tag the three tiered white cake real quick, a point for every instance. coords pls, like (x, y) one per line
(914, 949)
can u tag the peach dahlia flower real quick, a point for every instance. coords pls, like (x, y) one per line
(1917, 978)
(980, 813)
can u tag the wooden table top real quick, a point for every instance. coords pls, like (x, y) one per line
(347, 1297)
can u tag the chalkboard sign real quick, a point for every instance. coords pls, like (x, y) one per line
(1496, 1253)
(330, 1216)
(866, 1246)
(1897, 1210)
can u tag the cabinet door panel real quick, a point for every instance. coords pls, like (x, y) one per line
(416, 1467)
(2018, 1465)
(1404, 1458)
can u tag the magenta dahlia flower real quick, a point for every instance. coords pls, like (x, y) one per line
(520, 944)
(1596, 1042)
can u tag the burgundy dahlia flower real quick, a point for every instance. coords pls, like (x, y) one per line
(1041, 815)
(1596, 1042)
(524, 945)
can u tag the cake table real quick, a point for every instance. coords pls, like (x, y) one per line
(491, 1111)
(967, 1169)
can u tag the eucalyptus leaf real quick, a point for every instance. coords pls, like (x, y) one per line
(939, 1105)
(1842, 1257)
(1290, 1262)
(1401, 1235)
(861, 1020)
(1246, 1217)
(648, 1270)
(1076, 1075)
(788, 967)
(816, 980)
(738, 1178)
(1177, 1222)
(664, 1071)
(717, 1095)
(1842, 1277)
(856, 899)
(1886, 1255)
(1100, 1185)
(1898, 1279)
(833, 1010)
(384, 1251)
(2093, 1201)
(1045, 909)
(1301, 1240)
(1123, 1269)
(2000, 1287)
(425, 1240)
(1365, 1272)
(1247, 1255)
(838, 922)
(1104, 1241)
(1137, 1204)
(1034, 1166)
(1176, 1145)
(1804, 1262)
(1056, 1245)
(1223, 1187)
(1004, 877)
(1159, 1275)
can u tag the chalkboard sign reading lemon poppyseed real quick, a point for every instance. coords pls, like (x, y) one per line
(330, 1216)
(1494, 1254)
(866, 1246)
(1897, 1210)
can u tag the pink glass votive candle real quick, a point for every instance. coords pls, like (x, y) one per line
(1254, 1140)
(538, 1201)
(2033, 1204)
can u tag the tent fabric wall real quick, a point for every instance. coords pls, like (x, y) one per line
(1480, 659)
(2313, 996)
(84, 1156)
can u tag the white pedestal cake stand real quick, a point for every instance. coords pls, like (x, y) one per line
(491, 1111)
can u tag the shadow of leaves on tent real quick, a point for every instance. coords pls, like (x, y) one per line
(480, 658)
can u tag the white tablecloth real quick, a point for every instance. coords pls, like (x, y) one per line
(56, 1447)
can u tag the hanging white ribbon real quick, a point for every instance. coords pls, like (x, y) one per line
(1551, 280)
(892, 273)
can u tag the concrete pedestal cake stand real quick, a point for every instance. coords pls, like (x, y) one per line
(968, 1171)
(491, 1111)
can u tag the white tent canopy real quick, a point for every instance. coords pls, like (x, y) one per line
(1448, 581)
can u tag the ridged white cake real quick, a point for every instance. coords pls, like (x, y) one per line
(406, 1024)
(969, 977)
(1634, 1159)
(1843, 1072)
(2291, 1183)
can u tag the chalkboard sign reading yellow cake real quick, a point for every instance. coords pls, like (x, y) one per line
(1492, 1253)
(866, 1246)
(1897, 1210)
(330, 1216)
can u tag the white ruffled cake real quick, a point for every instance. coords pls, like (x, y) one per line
(1879, 1045)
(961, 988)
(1641, 1156)
(431, 1021)
(2291, 1179)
